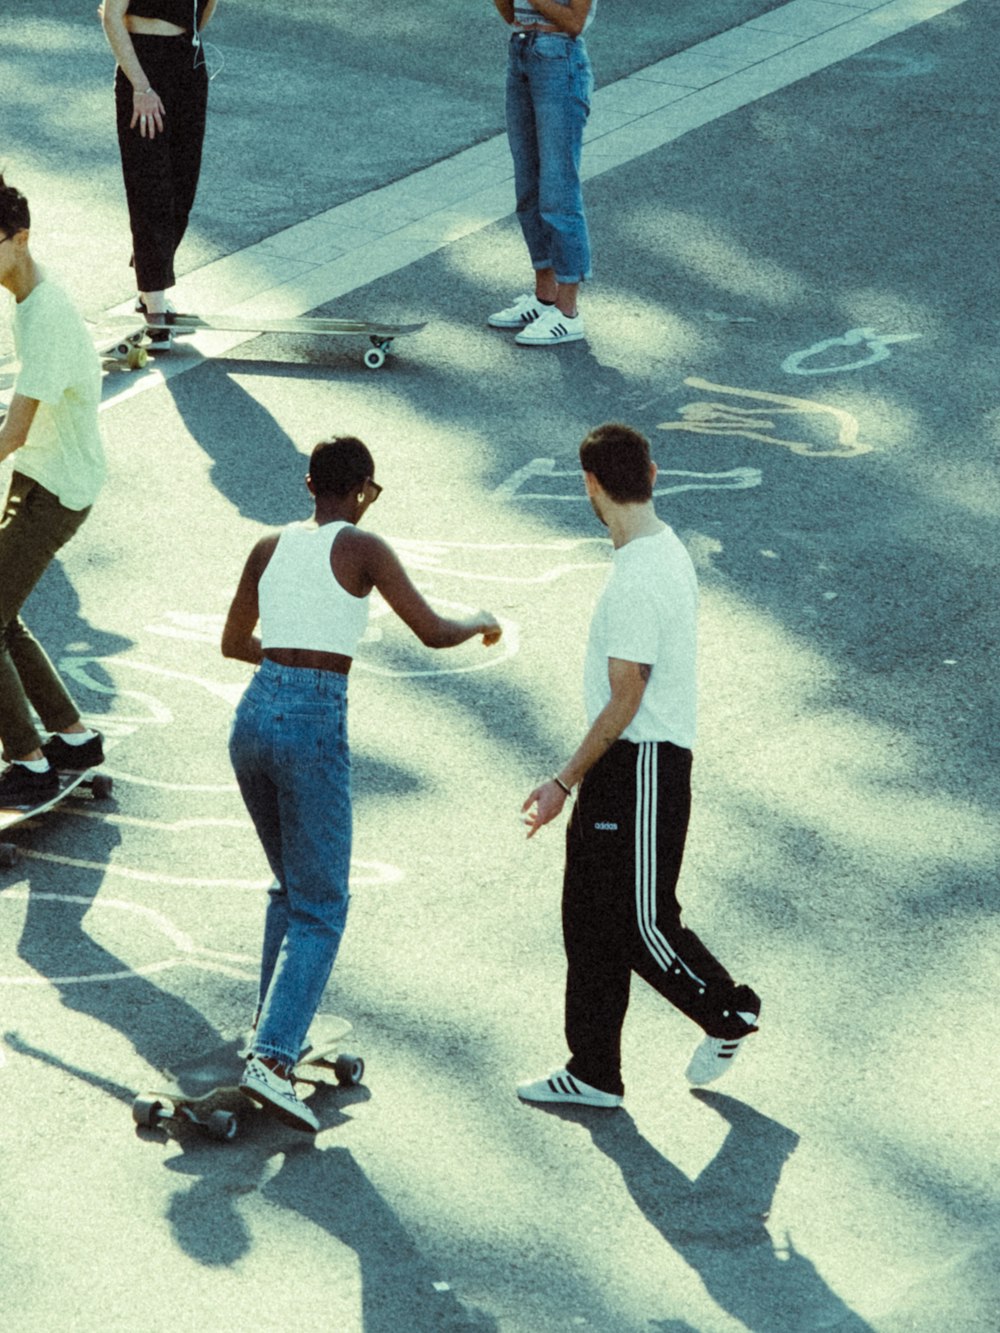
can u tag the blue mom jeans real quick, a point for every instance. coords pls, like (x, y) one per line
(549, 86)
(289, 750)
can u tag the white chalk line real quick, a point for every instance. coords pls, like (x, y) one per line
(188, 953)
(364, 874)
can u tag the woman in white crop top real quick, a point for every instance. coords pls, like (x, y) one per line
(308, 586)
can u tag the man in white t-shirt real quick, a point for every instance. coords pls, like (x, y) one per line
(625, 839)
(52, 427)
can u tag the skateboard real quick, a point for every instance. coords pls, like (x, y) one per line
(205, 1091)
(99, 785)
(182, 325)
(120, 340)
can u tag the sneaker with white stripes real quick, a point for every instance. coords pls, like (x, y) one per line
(552, 327)
(523, 310)
(712, 1058)
(277, 1094)
(561, 1086)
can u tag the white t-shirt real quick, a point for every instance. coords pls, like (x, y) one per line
(61, 369)
(647, 613)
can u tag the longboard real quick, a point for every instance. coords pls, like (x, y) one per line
(121, 340)
(381, 336)
(99, 785)
(205, 1091)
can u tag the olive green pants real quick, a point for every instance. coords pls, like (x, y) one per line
(33, 528)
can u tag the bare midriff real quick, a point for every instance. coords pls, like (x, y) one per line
(311, 659)
(152, 27)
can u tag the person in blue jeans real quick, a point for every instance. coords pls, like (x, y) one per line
(308, 588)
(549, 87)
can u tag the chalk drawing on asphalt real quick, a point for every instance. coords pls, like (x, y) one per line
(182, 951)
(876, 348)
(482, 558)
(669, 481)
(711, 417)
(367, 874)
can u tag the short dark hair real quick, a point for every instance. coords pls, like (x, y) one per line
(339, 465)
(14, 215)
(618, 457)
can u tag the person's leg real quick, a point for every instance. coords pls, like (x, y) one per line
(33, 527)
(561, 89)
(188, 141)
(666, 954)
(311, 772)
(522, 135)
(148, 178)
(248, 752)
(597, 929)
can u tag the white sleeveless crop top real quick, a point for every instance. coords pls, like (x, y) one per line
(526, 16)
(301, 603)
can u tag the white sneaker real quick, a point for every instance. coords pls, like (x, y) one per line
(526, 308)
(278, 1095)
(712, 1058)
(551, 327)
(561, 1086)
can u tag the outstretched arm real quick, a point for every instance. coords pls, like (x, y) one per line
(628, 684)
(386, 572)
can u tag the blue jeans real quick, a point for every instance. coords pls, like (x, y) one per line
(288, 746)
(549, 86)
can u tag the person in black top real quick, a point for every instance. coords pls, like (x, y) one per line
(161, 96)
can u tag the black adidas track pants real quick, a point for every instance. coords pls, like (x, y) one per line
(624, 847)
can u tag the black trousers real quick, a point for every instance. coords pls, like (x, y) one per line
(624, 848)
(161, 174)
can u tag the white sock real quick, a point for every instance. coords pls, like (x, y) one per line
(78, 737)
(34, 765)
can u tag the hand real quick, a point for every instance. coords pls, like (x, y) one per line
(548, 801)
(148, 111)
(490, 629)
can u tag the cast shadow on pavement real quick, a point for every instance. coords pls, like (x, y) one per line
(235, 432)
(325, 1186)
(716, 1223)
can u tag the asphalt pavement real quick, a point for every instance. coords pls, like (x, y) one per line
(795, 299)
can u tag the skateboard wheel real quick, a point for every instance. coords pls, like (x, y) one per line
(9, 855)
(349, 1069)
(222, 1125)
(147, 1112)
(101, 786)
(374, 358)
(136, 358)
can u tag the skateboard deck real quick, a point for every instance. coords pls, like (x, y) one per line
(205, 1091)
(99, 785)
(133, 338)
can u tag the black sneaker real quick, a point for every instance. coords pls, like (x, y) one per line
(20, 786)
(158, 337)
(68, 758)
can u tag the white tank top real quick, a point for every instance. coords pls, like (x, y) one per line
(301, 603)
(526, 16)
